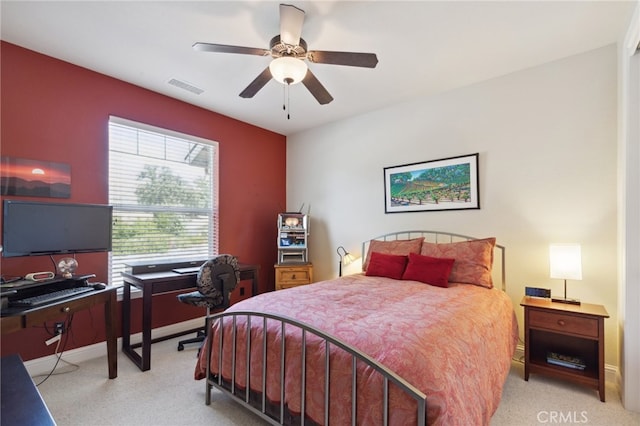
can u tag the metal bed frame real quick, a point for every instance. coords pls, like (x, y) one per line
(356, 355)
(262, 408)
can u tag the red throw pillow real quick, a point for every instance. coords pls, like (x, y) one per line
(429, 270)
(386, 265)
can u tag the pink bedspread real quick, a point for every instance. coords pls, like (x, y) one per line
(454, 344)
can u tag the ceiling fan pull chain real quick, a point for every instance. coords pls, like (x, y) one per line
(288, 101)
(284, 97)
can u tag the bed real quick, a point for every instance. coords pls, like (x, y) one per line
(422, 336)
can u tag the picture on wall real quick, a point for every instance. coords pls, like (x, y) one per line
(445, 184)
(34, 178)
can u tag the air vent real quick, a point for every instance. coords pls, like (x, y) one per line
(186, 86)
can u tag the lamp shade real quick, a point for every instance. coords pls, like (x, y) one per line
(565, 261)
(288, 70)
(348, 259)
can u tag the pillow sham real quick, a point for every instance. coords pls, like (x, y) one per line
(473, 259)
(429, 270)
(397, 247)
(386, 265)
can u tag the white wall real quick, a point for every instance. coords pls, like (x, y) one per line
(547, 143)
(629, 215)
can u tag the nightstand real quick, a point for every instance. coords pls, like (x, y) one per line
(575, 331)
(288, 276)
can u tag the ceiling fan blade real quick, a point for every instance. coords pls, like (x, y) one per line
(256, 84)
(316, 88)
(291, 19)
(352, 59)
(225, 48)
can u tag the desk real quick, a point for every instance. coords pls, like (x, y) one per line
(156, 283)
(22, 404)
(15, 319)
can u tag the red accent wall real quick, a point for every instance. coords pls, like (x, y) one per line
(55, 111)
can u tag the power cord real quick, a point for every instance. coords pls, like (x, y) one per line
(55, 266)
(58, 352)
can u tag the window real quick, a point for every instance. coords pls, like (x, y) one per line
(163, 187)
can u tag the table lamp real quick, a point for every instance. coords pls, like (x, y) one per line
(565, 263)
(345, 258)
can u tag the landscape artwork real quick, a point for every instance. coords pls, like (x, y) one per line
(34, 178)
(445, 184)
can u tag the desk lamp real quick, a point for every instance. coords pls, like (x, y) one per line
(345, 258)
(565, 263)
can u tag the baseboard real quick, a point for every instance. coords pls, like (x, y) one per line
(610, 371)
(44, 365)
(519, 353)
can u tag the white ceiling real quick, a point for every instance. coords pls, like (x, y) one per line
(423, 47)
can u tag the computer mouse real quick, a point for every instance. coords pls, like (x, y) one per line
(99, 286)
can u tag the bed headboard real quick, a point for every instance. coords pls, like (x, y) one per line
(446, 237)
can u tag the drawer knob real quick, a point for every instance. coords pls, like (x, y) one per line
(293, 277)
(561, 322)
(66, 309)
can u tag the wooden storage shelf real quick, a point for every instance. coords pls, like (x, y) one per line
(589, 375)
(293, 232)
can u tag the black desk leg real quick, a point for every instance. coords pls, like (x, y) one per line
(111, 334)
(250, 274)
(254, 284)
(126, 317)
(146, 328)
(126, 326)
(143, 362)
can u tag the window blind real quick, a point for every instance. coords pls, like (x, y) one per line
(163, 187)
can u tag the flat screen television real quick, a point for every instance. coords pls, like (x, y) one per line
(36, 228)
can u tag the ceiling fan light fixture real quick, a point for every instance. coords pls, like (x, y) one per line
(288, 70)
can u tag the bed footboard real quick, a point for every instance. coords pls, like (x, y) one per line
(242, 354)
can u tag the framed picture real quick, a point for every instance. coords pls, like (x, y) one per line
(445, 184)
(34, 178)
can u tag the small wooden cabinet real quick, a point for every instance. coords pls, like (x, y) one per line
(288, 276)
(575, 331)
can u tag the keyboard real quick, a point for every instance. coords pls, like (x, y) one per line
(43, 299)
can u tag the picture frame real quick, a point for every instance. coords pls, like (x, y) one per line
(34, 178)
(444, 184)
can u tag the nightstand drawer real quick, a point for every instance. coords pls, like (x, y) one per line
(294, 276)
(564, 323)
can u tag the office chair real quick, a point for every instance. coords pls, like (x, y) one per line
(217, 278)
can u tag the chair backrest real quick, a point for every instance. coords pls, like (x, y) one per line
(218, 277)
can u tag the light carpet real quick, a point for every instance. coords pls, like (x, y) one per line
(168, 395)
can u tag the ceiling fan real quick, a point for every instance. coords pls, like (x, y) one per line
(289, 52)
